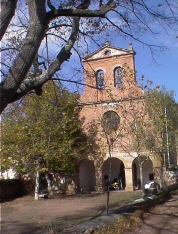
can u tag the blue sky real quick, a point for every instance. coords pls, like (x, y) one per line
(162, 68)
(163, 71)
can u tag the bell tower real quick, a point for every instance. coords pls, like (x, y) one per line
(110, 84)
(109, 74)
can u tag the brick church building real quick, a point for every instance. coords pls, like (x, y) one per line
(107, 89)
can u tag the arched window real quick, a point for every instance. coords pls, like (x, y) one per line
(118, 77)
(100, 84)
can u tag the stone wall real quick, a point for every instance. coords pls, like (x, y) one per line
(165, 177)
(9, 188)
(170, 177)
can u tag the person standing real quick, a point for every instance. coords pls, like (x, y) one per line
(120, 181)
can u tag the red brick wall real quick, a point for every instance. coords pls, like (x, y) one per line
(108, 65)
(93, 112)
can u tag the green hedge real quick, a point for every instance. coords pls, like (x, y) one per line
(11, 188)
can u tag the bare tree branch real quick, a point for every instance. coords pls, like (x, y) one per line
(7, 11)
(80, 12)
(64, 54)
(22, 63)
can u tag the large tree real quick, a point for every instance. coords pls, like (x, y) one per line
(148, 128)
(43, 134)
(30, 30)
(163, 112)
(134, 132)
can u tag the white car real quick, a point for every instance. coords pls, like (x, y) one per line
(149, 185)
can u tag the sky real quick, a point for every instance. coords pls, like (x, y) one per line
(162, 69)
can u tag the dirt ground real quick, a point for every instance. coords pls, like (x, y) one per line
(26, 216)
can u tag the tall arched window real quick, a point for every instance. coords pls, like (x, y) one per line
(100, 84)
(118, 77)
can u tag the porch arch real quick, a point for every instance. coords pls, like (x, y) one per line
(118, 156)
(117, 170)
(147, 171)
(87, 179)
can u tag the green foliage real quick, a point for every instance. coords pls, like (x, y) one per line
(148, 128)
(144, 122)
(133, 127)
(45, 129)
(163, 113)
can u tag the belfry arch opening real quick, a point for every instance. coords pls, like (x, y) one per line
(87, 179)
(117, 170)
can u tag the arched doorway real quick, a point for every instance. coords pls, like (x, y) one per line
(147, 171)
(87, 179)
(117, 170)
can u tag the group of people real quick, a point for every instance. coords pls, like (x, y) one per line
(116, 184)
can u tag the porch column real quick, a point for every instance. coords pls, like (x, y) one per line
(128, 179)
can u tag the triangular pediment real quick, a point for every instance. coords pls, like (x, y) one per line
(108, 51)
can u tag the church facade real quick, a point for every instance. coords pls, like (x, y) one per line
(110, 85)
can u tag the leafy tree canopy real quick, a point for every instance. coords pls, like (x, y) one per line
(45, 129)
(163, 112)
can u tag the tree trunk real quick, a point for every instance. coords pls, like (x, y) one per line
(109, 178)
(141, 178)
(14, 80)
(161, 173)
(50, 191)
(22, 63)
(37, 185)
(56, 180)
(7, 12)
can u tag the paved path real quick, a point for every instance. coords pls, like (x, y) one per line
(162, 219)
